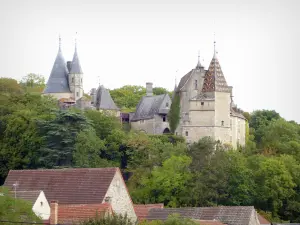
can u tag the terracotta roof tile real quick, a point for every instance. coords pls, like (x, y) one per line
(30, 196)
(209, 222)
(81, 212)
(68, 186)
(142, 210)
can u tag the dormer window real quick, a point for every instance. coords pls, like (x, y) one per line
(167, 104)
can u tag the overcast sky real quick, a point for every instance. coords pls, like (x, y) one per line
(139, 41)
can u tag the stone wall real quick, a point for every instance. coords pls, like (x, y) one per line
(60, 95)
(151, 126)
(120, 199)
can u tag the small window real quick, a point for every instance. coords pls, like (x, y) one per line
(81, 80)
(176, 133)
(186, 133)
(72, 79)
(167, 104)
(142, 121)
(77, 93)
(164, 118)
(196, 84)
(202, 103)
(222, 123)
(41, 203)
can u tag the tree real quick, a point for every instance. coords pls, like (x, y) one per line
(14, 211)
(160, 91)
(33, 82)
(9, 86)
(167, 184)
(174, 113)
(59, 135)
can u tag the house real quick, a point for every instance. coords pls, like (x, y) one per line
(40, 205)
(230, 215)
(207, 107)
(74, 214)
(142, 211)
(77, 186)
(151, 113)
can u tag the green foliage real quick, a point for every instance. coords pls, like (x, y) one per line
(59, 136)
(173, 219)
(33, 82)
(128, 96)
(9, 86)
(174, 113)
(15, 210)
(108, 220)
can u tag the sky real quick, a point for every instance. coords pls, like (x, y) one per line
(134, 42)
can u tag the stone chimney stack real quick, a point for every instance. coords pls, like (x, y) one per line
(149, 89)
(53, 212)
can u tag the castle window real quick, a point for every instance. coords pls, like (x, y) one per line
(176, 133)
(167, 104)
(81, 80)
(186, 133)
(77, 94)
(222, 123)
(202, 103)
(164, 118)
(72, 79)
(196, 84)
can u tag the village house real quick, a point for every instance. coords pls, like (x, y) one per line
(77, 187)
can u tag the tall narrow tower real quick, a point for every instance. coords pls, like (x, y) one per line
(76, 76)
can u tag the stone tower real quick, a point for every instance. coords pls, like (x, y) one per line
(76, 76)
(206, 106)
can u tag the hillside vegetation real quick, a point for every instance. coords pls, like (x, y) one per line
(265, 173)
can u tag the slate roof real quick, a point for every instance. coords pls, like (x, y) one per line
(148, 107)
(70, 214)
(30, 196)
(68, 186)
(142, 211)
(75, 65)
(58, 79)
(104, 99)
(214, 79)
(231, 215)
(184, 79)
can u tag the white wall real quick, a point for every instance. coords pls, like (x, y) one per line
(41, 207)
(120, 199)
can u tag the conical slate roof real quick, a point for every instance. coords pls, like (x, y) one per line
(58, 80)
(104, 100)
(75, 66)
(214, 79)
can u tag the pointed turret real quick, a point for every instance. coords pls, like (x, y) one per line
(58, 81)
(199, 63)
(75, 66)
(214, 79)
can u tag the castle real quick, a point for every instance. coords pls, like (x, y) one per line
(206, 102)
(207, 107)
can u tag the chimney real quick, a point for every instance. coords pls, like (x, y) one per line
(149, 91)
(53, 212)
(69, 65)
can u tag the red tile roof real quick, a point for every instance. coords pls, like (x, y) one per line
(142, 211)
(80, 212)
(68, 186)
(262, 220)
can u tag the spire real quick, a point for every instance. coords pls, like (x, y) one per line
(59, 39)
(215, 52)
(58, 82)
(199, 63)
(76, 67)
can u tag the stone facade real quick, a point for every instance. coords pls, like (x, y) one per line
(151, 113)
(207, 107)
(118, 196)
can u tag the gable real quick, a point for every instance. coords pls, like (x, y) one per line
(68, 186)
